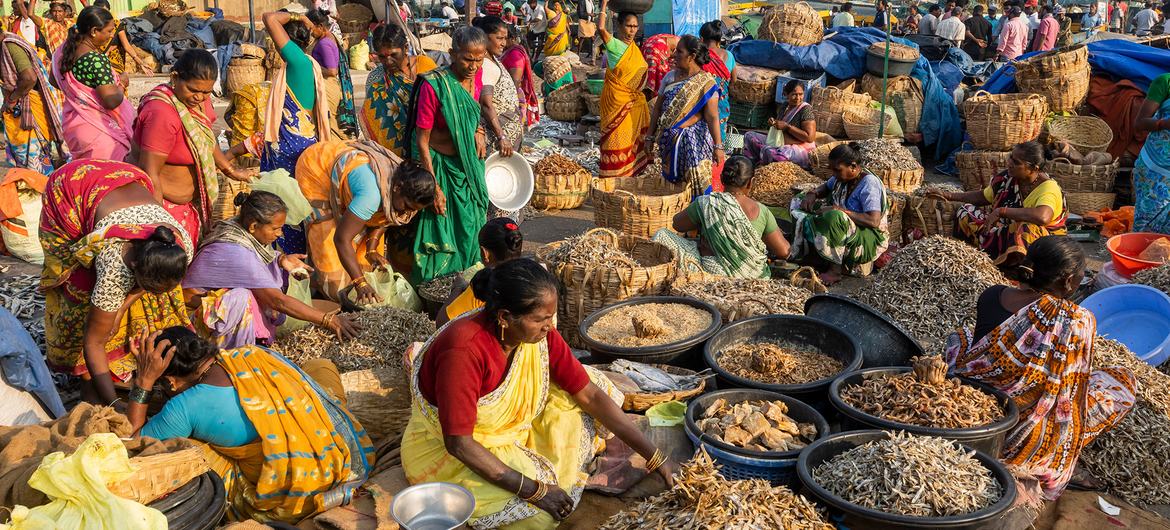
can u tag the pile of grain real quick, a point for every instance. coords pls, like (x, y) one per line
(649, 325)
(931, 287)
(756, 425)
(906, 399)
(385, 335)
(772, 184)
(778, 363)
(738, 298)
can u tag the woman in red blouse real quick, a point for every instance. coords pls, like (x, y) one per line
(501, 406)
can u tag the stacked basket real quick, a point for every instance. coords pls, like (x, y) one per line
(976, 168)
(997, 122)
(829, 105)
(354, 18)
(637, 206)
(565, 103)
(1087, 187)
(1061, 76)
(863, 123)
(895, 217)
(559, 188)
(754, 85)
(903, 93)
(592, 104)
(930, 215)
(797, 24)
(245, 69)
(1084, 133)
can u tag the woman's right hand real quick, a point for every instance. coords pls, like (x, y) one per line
(344, 328)
(153, 358)
(556, 502)
(366, 295)
(807, 203)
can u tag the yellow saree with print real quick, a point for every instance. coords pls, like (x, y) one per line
(625, 116)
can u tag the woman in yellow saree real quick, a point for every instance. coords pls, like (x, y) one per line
(558, 30)
(501, 407)
(625, 115)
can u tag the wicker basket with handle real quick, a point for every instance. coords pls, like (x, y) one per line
(862, 123)
(1083, 178)
(830, 103)
(895, 216)
(976, 168)
(586, 288)
(243, 73)
(637, 206)
(157, 475)
(903, 93)
(640, 401)
(1084, 133)
(1064, 94)
(930, 215)
(1083, 203)
(754, 85)
(796, 23)
(1055, 63)
(899, 180)
(997, 122)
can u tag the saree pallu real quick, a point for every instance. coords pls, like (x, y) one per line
(625, 117)
(385, 110)
(450, 243)
(34, 136)
(517, 58)
(835, 237)
(687, 152)
(55, 33)
(528, 422)
(90, 130)
(201, 142)
(558, 34)
(1041, 357)
(659, 59)
(1007, 242)
(297, 131)
(312, 454)
(345, 111)
(229, 314)
(718, 68)
(1151, 180)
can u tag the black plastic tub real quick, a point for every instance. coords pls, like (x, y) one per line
(737, 463)
(987, 438)
(829, 339)
(881, 340)
(876, 61)
(685, 353)
(860, 517)
(198, 505)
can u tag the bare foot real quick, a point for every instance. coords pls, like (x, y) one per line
(829, 278)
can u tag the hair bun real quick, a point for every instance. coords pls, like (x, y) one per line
(163, 234)
(241, 198)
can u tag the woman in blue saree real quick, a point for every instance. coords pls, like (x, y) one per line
(686, 119)
(1151, 171)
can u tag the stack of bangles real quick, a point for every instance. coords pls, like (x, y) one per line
(655, 461)
(327, 318)
(541, 491)
(358, 282)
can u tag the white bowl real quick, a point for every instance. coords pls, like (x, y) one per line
(509, 181)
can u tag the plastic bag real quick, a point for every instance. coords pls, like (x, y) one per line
(359, 56)
(1159, 251)
(893, 128)
(284, 186)
(775, 137)
(667, 414)
(392, 288)
(298, 287)
(22, 234)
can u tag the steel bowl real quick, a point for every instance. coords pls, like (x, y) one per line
(432, 506)
(509, 181)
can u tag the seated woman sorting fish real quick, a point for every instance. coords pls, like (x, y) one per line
(241, 278)
(279, 435)
(852, 230)
(1026, 204)
(736, 232)
(501, 407)
(1036, 344)
(500, 240)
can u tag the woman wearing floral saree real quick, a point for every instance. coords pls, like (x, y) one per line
(687, 119)
(625, 115)
(505, 99)
(722, 66)
(113, 262)
(385, 110)
(1034, 343)
(515, 60)
(659, 53)
(557, 41)
(32, 108)
(1151, 171)
(500, 406)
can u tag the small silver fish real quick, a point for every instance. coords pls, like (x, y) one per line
(651, 379)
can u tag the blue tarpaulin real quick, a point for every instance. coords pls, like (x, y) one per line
(690, 15)
(843, 56)
(1118, 58)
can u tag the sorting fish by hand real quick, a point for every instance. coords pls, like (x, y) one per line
(651, 379)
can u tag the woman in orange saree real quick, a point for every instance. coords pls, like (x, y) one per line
(625, 115)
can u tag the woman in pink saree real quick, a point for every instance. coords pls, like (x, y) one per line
(97, 116)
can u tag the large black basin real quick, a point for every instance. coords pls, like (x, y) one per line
(881, 340)
(685, 353)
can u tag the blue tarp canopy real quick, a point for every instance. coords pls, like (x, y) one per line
(843, 56)
(1118, 58)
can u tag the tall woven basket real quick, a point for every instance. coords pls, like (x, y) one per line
(587, 288)
(863, 123)
(224, 205)
(754, 85)
(1083, 178)
(565, 103)
(895, 217)
(1084, 133)
(1083, 203)
(242, 73)
(796, 23)
(997, 122)
(1061, 76)
(977, 167)
(930, 215)
(561, 192)
(830, 103)
(637, 206)
(899, 180)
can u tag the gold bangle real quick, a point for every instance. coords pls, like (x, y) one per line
(656, 461)
(360, 280)
(521, 487)
(541, 491)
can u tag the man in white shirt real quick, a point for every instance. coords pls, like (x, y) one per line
(929, 23)
(450, 13)
(952, 28)
(537, 26)
(1145, 20)
(844, 19)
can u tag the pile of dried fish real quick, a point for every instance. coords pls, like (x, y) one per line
(740, 298)
(887, 154)
(772, 184)
(931, 287)
(920, 476)
(653, 169)
(940, 188)
(1153, 385)
(590, 159)
(647, 324)
(703, 500)
(756, 425)
(778, 363)
(386, 333)
(590, 250)
(915, 398)
(22, 297)
(1157, 277)
(438, 289)
(645, 378)
(557, 165)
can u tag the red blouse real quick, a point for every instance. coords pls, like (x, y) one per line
(466, 362)
(159, 130)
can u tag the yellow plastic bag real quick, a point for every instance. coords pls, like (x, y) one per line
(284, 186)
(392, 288)
(298, 287)
(359, 55)
(78, 495)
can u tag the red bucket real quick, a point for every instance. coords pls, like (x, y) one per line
(1125, 249)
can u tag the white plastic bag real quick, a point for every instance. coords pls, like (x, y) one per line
(22, 234)
(392, 288)
(284, 186)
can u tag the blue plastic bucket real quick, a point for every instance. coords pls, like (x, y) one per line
(1135, 315)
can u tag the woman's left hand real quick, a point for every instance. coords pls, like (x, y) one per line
(666, 471)
(992, 219)
(153, 357)
(292, 262)
(720, 157)
(440, 206)
(243, 175)
(480, 145)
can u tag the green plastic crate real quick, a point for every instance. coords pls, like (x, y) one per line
(749, 115)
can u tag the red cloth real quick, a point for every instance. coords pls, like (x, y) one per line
(1119, 103)
(187, 216)
(158, 129)
(465, 363)
(658, 53)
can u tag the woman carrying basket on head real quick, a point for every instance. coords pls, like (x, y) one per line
(625, 115)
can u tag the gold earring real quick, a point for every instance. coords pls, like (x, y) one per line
(503, 326)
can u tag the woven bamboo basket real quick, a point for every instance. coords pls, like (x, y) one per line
(157, 475)
(898, 52)
(1083, 203)
(1064, 94)
(818, 160)
(1055, 63)
(895, 217)
(755, 85)
(640, 401)
(830, 103)
(586, 288)
(354, 12)
(904, 94)
(224, 205)
(1083, 178)
(353, 26)
(899, 180)
(862, 123)
(997, 122)
(565, 103)
(637, 206)
(1084, 133)
(592, 104)
(930, 215)
(976, 168)
(830, 123)
(561, 192)
(352, 38)
(242, 75)
(797, 24)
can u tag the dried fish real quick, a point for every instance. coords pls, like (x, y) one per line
(21, 296)
(1153, 385)
(931, 287)
(917, 400)
(589, 159)
(756, 425)
(1156, 277)
(557, 165)
(592, 250)
(938, 188)
(772, 184)
(778, 363)
(703, 500)
(645, 324)
(920, 476)
(882, 153)
(651, 379)
(386, 333)
(438, 288)
(739, 298)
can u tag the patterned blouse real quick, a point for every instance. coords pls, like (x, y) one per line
(114, 279)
